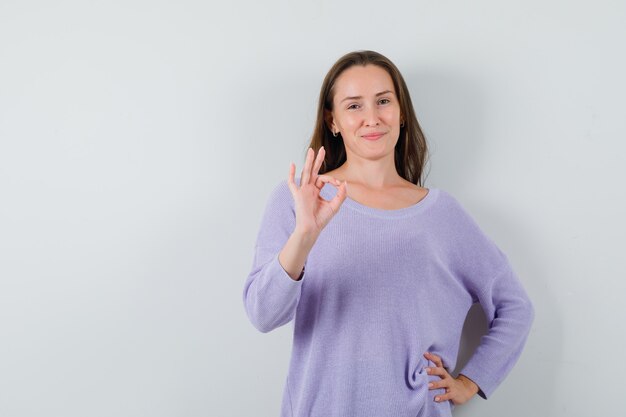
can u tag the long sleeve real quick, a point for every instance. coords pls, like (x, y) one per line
(490, 279)
(510, 314)
(270, 295)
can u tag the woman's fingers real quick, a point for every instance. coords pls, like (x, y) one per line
(444, 397)
(319, 159)
(456, 389)
(442, 383)
(290, 179)
(437, 371)
(323, 179)
(446, 382)
(312, 165)
(434, 358)
(313, 212)
(306, 171)
(339, 198)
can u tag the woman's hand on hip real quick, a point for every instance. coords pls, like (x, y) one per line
(458, 390)
(313, 212)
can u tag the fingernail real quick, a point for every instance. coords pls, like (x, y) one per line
(430, 385)
(436, 398)
(427, 369)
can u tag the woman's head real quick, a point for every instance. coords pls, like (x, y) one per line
(384, 107)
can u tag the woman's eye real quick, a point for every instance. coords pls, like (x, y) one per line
(385, 100)
(353, 106)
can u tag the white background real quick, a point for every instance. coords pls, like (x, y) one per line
(139, 142)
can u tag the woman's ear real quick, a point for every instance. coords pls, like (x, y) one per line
(328, 118)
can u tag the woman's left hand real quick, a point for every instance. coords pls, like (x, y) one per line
(458, 390)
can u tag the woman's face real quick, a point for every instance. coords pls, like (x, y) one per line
(366, 112)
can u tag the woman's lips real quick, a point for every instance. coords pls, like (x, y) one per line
(372, 136)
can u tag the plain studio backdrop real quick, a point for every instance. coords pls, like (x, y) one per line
(139, 142)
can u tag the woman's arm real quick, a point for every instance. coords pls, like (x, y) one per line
(272, 289)
(509, 314)
(487, 274)
(294, 218)
(295, 252)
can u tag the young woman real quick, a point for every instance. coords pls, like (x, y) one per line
(378, 271)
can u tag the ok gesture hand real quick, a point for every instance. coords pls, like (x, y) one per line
(313, 212)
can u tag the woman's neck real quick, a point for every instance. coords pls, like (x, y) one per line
(374, 175)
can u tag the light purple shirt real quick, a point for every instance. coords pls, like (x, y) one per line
(380, 288)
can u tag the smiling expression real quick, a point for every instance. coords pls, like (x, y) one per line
(366, 111)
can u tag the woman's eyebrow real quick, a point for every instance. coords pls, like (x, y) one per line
(360, 97)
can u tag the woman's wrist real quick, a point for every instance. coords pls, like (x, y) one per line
(469, 384)
(305, 236)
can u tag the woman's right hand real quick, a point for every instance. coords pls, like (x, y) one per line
(313, 212)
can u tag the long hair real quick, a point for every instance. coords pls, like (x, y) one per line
(411, 151)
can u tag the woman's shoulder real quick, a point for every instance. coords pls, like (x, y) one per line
(447, 197)
(279, 196)
(449, 210)
(459, 218)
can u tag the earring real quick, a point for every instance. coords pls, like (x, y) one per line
(334, 134)
(402, 124)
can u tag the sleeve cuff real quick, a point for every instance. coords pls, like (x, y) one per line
(485, 389)
(285, 281)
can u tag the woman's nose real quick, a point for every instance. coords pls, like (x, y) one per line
(371, 117)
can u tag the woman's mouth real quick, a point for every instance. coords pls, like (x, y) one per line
(372, 136)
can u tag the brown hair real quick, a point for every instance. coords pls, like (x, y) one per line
(411, 152)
